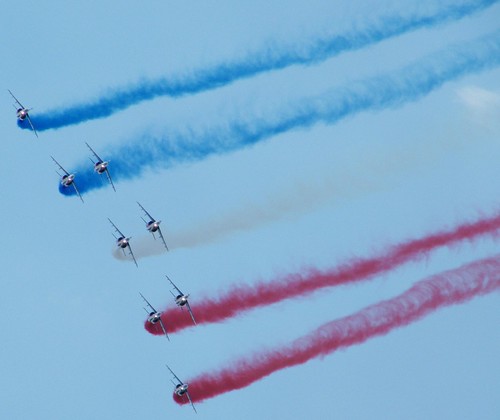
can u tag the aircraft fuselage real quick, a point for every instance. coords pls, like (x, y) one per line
(122, 242)
(181, 300)
(100, 167)
(154, 317)
(153, 226)
(67, 180)
(22, 114)
(181, 389)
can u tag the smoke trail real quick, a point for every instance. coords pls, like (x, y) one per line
(295, 200)
(345, 179)
(267, 59)
(239, 299)
(449, 288)
(408, 84)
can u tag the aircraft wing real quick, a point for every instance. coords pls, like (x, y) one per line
(109, 179)
(19, 103)
(164, 329)
(78, 192)
(191, 401)
(60, 167)
(92, 150)
(175, 376)
(162, 238)
(175, 287)
(132, 254)
(31, 124)
(151, 306)
(144, 210)
(190, 312)
(118, 230)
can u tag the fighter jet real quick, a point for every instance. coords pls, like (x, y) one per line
(67, 179)
(154, 316)
(123, 242)
(153, 225)
(101, 166)
(181, 388)
(23, 113)
(181, 299)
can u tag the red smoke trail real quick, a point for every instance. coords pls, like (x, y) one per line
(426, 296)
(238, 299)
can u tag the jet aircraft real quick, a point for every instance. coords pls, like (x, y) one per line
(123, 242)
(67, 179)
(181, 299)
(101, 166)
(23, 113)
(181, 388)
(153, 225)
(154, 316)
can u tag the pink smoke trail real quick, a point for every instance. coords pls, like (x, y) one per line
(238, 299)
(449, 288)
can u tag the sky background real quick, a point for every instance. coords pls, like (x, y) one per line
(73, 341)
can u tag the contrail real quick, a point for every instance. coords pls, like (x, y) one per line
(390, 90)
(445, 289)
(266, 59)
(241, 298)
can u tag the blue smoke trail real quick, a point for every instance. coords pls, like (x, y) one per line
(391, 90)
(267, 59)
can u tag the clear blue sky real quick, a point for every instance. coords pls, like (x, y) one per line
(73, 343)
